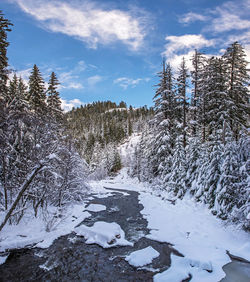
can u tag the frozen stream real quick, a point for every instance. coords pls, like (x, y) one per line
(69, 258)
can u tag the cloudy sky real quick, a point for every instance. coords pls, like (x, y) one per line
(112, 49)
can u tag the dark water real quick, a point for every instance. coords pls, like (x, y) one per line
(237, 271)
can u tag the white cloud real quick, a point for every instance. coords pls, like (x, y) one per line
(192, 17)
(184, 43)
(228, 21)
(93, 80)
(74, 85)
(24, 74)
(69, 79)
(231, 15)
(68, 105)
(87, 21)
(125, 82)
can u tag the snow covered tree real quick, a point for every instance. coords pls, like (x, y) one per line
(213, 173)
(4, 28)
(36, 95)
(228, 188)
(176, 181)
(164, 120)
(238, 87)
(217, 101)
(196, 75)
(53, 99)
(183, 99)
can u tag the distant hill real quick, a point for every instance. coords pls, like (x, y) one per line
(103, 126)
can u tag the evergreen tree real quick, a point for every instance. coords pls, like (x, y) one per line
(164, 120)
(196, 74)
(217, 100)
(4, 28)
(238, 87)
(16, 95)
(176, 181)
(36, 95)
(182, 99)
(53, 99)
(228, 189)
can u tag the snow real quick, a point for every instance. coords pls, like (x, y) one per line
(3, 259)
(202, 238)
(105, 234)
(34, 231)
(95, 208)
(120, 182)
(142, 257)
(126, 150)
(197, 234)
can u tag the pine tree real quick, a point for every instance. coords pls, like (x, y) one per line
(53, 99)
(237, 84)
(36, 95)
(196, 74)
(217, 100)
(16, 95)
(183, 99)
(228, 188)
(4, 28)
(165, 121)
(176, 182)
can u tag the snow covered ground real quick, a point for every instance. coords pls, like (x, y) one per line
(202, 238)
(42, 231)
(197, 234)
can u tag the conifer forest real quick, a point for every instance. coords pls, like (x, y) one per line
(191, 145)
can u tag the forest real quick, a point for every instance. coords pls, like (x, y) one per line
(197, 143)
(194, 140)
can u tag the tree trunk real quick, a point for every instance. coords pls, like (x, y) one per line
(23, 188)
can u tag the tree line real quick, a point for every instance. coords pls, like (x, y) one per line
(39, 165)
(100, 127)
(197, 142)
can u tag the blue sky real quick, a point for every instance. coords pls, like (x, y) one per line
(112, 50)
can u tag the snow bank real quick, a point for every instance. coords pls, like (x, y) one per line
(197, 234)
(3, 259)
(142, 257)
(105, 234)
(121, 182)
(34, 231)
(96, 208)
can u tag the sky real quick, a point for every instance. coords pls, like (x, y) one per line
(112, 49)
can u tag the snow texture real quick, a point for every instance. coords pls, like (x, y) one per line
(105, 234)
(96, 208)
(3, 259)
(34, 231)
(197, 234)
(142, 257)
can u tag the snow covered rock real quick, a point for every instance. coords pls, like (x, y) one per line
(142, 257)
(95, 208)
(105, 234)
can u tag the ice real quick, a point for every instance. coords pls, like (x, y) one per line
(104, 234)
(95, 208)
(3, 259)
(142, 257)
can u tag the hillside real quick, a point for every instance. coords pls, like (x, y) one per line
(98, 128)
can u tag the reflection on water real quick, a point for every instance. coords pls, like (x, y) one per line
(237, 271)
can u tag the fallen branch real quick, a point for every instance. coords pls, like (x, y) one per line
(22, 189)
